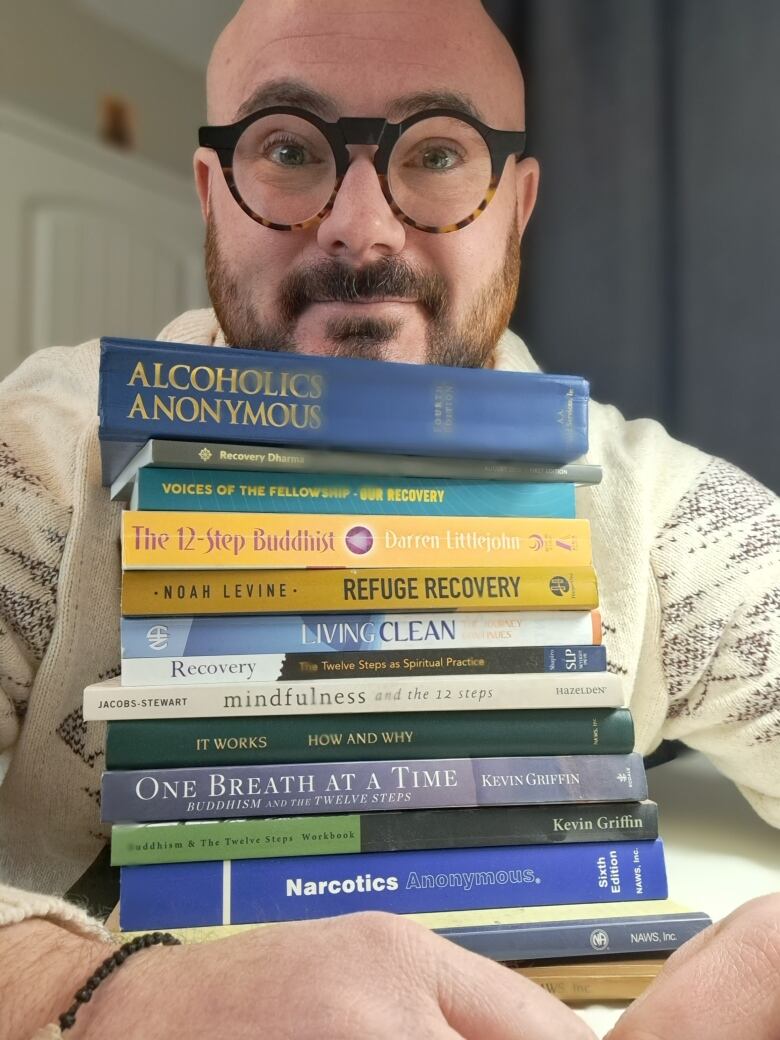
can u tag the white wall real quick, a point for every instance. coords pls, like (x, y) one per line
(69, 203)
(57, 60)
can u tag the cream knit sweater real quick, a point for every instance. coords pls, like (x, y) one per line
(686, 547)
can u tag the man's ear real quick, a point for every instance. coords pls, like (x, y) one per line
(202, 168)
(527, 174)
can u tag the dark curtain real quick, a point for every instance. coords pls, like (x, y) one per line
(652, 263)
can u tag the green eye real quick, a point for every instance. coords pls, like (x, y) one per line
(438, 159)
(288, 155)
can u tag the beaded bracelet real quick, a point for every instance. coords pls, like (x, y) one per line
(84, 995)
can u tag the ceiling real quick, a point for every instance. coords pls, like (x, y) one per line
(185, 30)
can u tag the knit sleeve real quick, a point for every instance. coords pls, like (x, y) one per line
(717, 566)
(43, 409)
(17, 905)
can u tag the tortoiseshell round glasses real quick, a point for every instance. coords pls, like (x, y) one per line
(438, 169)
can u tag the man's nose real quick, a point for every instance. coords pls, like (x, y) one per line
(361, 227)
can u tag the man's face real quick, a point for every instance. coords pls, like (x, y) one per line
(362, 282)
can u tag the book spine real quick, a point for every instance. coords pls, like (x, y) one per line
(460, 919)
(272, 634)
(256, 890)
(144, 796)
(594, 938)
(134, 844)
(343, 591)
(265, 458)
(161, 389)
(331, 738)
(598, 988)
(108, 701)
(241, 540)
(247, 492)
(194, 671)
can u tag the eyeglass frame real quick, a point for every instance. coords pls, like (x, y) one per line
(364, 130)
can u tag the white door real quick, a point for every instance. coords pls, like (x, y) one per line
(92, 242)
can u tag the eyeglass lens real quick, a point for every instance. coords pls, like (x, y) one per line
(438, 173)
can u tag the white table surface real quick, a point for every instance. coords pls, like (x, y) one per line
(719, 853)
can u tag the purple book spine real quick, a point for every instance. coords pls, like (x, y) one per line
(205, 793)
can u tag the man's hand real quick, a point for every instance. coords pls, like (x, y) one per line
(361, 977)
(722, 985)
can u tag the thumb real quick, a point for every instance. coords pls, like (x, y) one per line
(724, 985)
(482, 1000)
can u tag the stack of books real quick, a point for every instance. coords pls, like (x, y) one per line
(362, 665)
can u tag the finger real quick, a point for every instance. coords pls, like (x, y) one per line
(482, 1000)
(724, 985)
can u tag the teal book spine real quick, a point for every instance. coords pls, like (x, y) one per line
(248, 492)
(266, 458)
(269, 740)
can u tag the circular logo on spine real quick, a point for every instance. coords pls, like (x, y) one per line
(359, 540)
(599, 939)
(157, 637)
(559, 586)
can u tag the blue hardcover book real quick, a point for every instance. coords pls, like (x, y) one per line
(245, 492)
(183, 392)
(592, 937)
(253, 891)
(203, 793)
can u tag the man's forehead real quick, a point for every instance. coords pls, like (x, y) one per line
(367, 59)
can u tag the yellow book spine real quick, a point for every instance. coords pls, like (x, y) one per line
(154, 593)
(597, 912)
(234, 540)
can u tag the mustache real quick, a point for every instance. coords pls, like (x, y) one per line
(334, 281)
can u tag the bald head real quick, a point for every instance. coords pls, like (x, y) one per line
(358, 272)
(362, 55)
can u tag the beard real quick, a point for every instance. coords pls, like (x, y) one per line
(468, 343)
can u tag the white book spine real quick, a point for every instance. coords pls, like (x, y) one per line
(201, 671)
(342, 633)
(109, 700)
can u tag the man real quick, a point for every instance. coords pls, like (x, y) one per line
(683, 543)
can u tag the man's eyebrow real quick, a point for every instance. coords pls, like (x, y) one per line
(402, 107)
(298, 94)
(291, 92)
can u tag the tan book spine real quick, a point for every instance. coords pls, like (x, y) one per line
(594, 981)
(464, 918)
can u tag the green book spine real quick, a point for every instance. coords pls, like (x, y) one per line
(163, 743)
(138, 843)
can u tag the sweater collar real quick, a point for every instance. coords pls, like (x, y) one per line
(201, 326)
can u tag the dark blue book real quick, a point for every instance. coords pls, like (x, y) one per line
(203, 793)
(592, 937)
(253, 891)
(184, 392)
